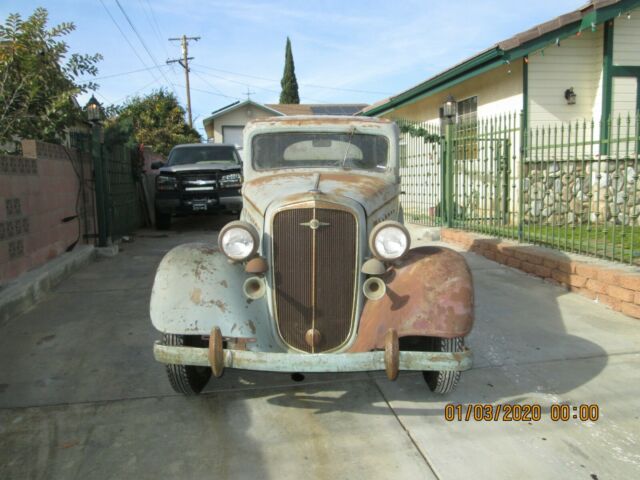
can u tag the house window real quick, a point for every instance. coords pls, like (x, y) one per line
(468, 114)
(467, 128)
(467, 117)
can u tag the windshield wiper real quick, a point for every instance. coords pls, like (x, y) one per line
(346, 152)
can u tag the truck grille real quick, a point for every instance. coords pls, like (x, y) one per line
(314, 275)
(198, 182)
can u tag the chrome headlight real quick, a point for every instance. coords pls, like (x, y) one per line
(231, 180)
(389, 240)
(238, 240)
(165, 183)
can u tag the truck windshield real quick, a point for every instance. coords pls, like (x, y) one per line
(203, 154)
(302, 149)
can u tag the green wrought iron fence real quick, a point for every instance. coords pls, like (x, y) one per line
(421, 164)
(570, 186)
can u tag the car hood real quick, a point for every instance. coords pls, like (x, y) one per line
(369, 190)
(200, 167)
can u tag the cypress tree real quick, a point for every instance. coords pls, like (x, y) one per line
(289, 93)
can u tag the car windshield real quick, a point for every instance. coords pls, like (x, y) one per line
(203, 154)
(301, 149)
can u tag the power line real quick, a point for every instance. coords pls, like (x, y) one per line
(153, 23)
(255, 86)
(144, 45)
(302, 84)
(130, 72)
(126, 39)
(211, 93)
(133, 93)
(212, 86)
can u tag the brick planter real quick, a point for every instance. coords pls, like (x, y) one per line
(615, 285)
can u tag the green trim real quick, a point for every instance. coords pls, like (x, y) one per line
(607, 82)
(525, 94)
(479, 64)
(446, 85)
(620, 71)
(496, 56)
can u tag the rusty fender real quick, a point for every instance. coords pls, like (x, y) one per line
(429, 293)
(197, 288)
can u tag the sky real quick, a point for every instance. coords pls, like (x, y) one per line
(345, 51)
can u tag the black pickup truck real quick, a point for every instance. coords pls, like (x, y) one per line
(197, 178)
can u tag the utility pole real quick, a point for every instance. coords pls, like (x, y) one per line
(184, 61)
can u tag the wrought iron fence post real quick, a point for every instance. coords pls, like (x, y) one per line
(520, 171)
(449, 133)
(100, 179)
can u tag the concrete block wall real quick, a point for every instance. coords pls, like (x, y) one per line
(40, 194)
(614, 285)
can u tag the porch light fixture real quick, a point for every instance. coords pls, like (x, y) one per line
(570, 96)
(94, 110)
(449, 107)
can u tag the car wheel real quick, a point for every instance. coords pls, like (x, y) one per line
(186, 379)
(444, 381)
(163, 220)
(438, 381)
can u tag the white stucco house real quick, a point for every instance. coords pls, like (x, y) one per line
(593, 51)
(546, 130)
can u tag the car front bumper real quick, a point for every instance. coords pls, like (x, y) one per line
(315, 362)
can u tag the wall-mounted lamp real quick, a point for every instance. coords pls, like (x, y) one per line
(449, 108)
(570, 96)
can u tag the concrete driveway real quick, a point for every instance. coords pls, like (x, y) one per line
(82, 398)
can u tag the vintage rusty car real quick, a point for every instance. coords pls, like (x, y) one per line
(317, 275)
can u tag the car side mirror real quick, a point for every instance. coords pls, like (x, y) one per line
(157, 165)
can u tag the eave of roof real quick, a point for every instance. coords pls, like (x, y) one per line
(518, 46)
(237, 105)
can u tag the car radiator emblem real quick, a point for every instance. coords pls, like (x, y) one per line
(314, 224)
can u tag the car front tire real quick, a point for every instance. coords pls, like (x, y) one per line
(438, 381)
(186, 379)
(444, 381)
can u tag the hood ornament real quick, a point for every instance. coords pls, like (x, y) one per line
(315, 224)
(316, 184)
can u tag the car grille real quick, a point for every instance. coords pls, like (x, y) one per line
(198, 182)
(314, 275)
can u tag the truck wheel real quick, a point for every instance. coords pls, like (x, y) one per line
(444, 381)
(163, 221)
(186, 379)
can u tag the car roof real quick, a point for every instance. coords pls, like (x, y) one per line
(211, 145)
(321, 119)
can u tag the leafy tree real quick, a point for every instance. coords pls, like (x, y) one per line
(155, 120)
(289, 83)
(39, 79)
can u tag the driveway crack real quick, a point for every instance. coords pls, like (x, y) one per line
(406, 430)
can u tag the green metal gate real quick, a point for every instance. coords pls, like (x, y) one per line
(459, 175)
(123, 198)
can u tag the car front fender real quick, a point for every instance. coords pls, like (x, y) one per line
(196, 288)
(429, 293)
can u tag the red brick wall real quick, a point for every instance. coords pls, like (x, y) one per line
(615, 285)
(37, 191)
